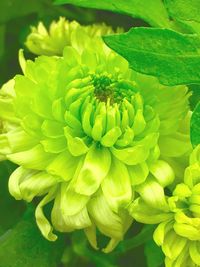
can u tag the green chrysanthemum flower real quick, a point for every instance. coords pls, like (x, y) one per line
(87, 130)
(179, 231)
(62, 33)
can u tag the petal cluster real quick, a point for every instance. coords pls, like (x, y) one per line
(179, 230)
(87, 133)
(50, 42)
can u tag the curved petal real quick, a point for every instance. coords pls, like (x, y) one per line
(174, 145)
(90, 233)
(35, 158)
(153, 194)
(71, 202)
(76, 145)
(138, 173)
(108, 222)
(195, 252)
(57, 217)
(161, 231)
(64, 165)
(110, 138)
(37, 184)
(52, 129)
(116, 186)
(163, 172)
(15, 180)
(41, 220)
(143, 213)
(131, 155)
(95, 167)
(173, 245)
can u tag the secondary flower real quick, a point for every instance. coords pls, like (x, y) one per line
(179, 230)
(62, 33)
(87, 131)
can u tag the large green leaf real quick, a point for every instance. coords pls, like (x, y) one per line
(154, 254)
(195, 126)
(152, 11)
(171, 56)
(24, 246)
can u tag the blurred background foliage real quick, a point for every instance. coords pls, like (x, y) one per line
(21, 243)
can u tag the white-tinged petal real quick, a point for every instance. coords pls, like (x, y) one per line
(116, 186)
(95, 167)
(19, 175)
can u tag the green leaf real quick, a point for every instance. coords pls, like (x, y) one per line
(152, 11)
(24, 246)
(195, 126)
(184, 9)
(154, 254)
(186, 12)
(171, 56)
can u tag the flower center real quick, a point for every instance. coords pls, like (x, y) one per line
(112, 90)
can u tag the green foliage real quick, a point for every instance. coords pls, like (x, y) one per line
(2, 36)
(26, 246)
(195, 126)
(16, 8)
(155, 14)
(185, 10)
(10, 210)
(186, 13)
(143, 236)
(171, 56)
(154, 254)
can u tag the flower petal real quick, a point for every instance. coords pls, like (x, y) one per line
(95, 167)
(76, 145)
(138, 173)
(143, 213)
(37, 184)
(163, 172)
(194, 252)
(64, 165)
(54, 145)
(35, 158)
(108, 222)
(71, 202)
(15, 180)
(42, 222)
(131, 155)
(153, 194)
(161, 231)
(116, 186)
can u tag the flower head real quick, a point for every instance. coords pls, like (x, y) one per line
(179, 230)
(62, 33)
(87, 131)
